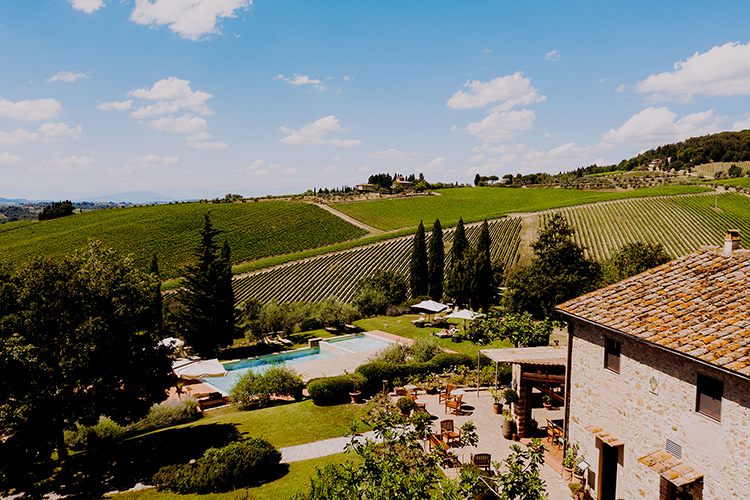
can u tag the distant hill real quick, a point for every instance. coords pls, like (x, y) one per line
(134, 197)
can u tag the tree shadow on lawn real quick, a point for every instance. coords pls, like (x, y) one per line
(120, 465)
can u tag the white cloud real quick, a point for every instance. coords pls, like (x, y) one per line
(9, 159)
(207, 145)
(200, 136)
(171, 94)
(434, 166)
(258, 169)
(299, 79)
(115, 105)
(17, 137)
(503, 148)
(722, 71)
(30, 110)
(137, 163)
(502, 126)
(485, 51)
(561, 158)
(191, 19)
(312, 134)
(476, 158)
(654, 126)
(185, 124)
(392, 155)
(552, 55)
(67, 165)
(66, 76)
(510, 90)
(620, 88)
(59, 130)
(88, 6)
(348, 78)
(741, 124)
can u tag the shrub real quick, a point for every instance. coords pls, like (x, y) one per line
(445, 360)
(167, 414)
(334, 390)
(221, 469)
(103, 432)
(309, 323)
(392, 310)
(425, 348)
(256, 389)
(394, 354)
(405, 405)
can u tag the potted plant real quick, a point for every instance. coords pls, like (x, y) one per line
(547, 401)
(569, 461)
(510, 396)
(574, 488)
(497, 397)
(405, 406)
(577, 472)
(356, 392)
(508, 425)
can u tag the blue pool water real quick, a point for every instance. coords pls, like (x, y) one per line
(330, 348)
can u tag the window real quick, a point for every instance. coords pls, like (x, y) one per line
(709, 394)
(612, 355)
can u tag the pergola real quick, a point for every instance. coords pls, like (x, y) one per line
(540, 367)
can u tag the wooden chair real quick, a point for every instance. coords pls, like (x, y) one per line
(444, 393)
(417, 406)
(482, 460)
(450, 433)
(436, 441)
(454, 405)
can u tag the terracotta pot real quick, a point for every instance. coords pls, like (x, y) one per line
(507, 429)
(547, 406)
(498, 407)
(356, 396)
(567, 473)
(578, 479)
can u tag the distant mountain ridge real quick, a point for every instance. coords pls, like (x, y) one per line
(134, 197)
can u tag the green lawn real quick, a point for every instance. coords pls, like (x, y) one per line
(296, 478)
(402, 325)
(138, 458)
(475, 204)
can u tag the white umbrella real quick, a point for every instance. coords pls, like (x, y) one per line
(172, 342)
(194, 369)
(465, 314)
(430, 306)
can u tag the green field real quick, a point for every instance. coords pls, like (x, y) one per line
(254, 230)
(743, 182)
(681, 224)
(474, 204)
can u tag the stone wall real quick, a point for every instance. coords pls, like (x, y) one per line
(644, 419)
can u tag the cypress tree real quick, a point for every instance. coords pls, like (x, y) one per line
(205, 320)
(460, 271)
(157, 304)
(225, 295)
(436, 263)
(419, 276)
(460, 243)
(483, 282)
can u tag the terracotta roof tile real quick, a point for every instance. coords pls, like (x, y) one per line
(698, 305)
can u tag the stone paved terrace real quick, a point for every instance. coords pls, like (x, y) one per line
(477, 409)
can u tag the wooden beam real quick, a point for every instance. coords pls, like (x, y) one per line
(536, 377)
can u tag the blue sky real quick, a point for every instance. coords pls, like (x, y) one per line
(198, 98)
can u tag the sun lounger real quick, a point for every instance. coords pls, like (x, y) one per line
(283, 340)
(212, 400)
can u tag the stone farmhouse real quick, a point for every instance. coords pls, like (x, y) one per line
(658, 397)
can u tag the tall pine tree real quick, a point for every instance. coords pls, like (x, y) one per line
(206, 321)
(419, 276)
(436, 263)
(483, 284)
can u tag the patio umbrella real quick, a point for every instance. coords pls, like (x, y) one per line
(172, 342)
(194, 369)
(465, 315)
(430, 306)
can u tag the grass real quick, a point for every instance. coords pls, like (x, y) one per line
(402, 325)
(254, 231)
(474, 204)
(296, 479)
(138, 458)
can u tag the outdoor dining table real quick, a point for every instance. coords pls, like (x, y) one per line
(412, 389)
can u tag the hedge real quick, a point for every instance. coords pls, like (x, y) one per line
(334, 390)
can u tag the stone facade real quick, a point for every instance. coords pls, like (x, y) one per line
(644, 415)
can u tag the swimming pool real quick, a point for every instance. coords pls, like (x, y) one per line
(329, 348)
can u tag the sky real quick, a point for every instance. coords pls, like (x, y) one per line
(200, 98)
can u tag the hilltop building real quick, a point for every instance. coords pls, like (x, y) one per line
(366, 187)
(658, 395)
(400, 181)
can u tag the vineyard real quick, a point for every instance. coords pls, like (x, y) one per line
(337, 274)
(681, 224)
(254, 230)
(475, 204)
